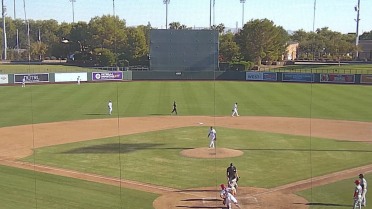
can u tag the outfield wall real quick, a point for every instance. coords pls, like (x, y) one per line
(332, 78)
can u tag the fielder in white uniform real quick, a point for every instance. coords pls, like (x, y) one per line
(109, 105)
(235, 110)
(78, 80)
(212, 137)
(24, 81)
(227, 197)
(358, 191)
(363, 184)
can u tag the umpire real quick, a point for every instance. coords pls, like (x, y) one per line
(232, 173)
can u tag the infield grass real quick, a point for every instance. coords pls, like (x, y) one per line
(63, 102)
(23, 189)
(154, 157)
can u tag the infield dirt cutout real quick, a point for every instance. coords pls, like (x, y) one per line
(19, 141)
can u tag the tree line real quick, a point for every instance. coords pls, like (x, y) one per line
(107, 41)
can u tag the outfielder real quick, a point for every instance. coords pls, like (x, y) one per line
(109, 105)
(212, 137)
(358, 191)
(363, 184)
(227, 197)
(24, 81)
(235, 110)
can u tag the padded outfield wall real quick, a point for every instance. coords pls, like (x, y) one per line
(183, 50)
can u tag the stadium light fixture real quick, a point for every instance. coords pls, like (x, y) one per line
(243, 2)
(166, 2)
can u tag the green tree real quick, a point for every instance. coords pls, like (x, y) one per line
(177, 26)
(104, 57)
(229, 49)
(107, 32)
(262, 40)
(366, 36)
(136, 50)
(38, 50)
(220, 28)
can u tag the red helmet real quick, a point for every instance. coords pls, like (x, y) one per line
(222, 186)
(357, 182)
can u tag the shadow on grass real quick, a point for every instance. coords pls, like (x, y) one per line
(202, 199)
(307, 150)
(327, 204)
(199, 190)
(96, 114)
(111, 148)
(184, 206)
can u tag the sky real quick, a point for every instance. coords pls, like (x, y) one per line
(337, 15)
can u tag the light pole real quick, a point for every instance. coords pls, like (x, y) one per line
(243, 2)
(314, 16)
(166, 2)
(5, 45)
(357, 9)
(214, 18)
(73, 10)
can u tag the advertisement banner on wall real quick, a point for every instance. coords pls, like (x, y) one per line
(269, 77)
(31, 78)
(70, 77)
(337, 78)
(4, 79)
(260, 76)
(298, 77)
(103, 76)
(254, 76)
(366, 79)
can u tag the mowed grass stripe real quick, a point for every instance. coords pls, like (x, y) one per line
(24, 189)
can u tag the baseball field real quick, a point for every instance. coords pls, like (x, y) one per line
(295, 145)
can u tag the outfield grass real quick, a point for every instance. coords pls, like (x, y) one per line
(334, 196)
(63, 102)
(23, 189)
(153, 157)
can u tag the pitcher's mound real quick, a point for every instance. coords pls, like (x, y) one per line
(211, 153)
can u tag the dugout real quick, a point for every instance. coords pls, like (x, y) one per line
(183, 50)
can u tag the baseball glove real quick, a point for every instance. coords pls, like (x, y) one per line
(215, 139)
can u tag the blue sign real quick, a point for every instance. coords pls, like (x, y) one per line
(298, 77)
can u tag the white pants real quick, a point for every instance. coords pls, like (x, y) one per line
(230, 200)
(235, 112)
(211, 144)
(110, 111)
(364, 200)
(358, 202)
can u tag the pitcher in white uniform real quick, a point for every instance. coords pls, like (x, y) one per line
(212, 137)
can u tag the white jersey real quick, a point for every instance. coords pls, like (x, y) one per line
(110, 105)
(235, 107)
(363, 183)
(228, 196)
(212, 133)
(358, 192)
